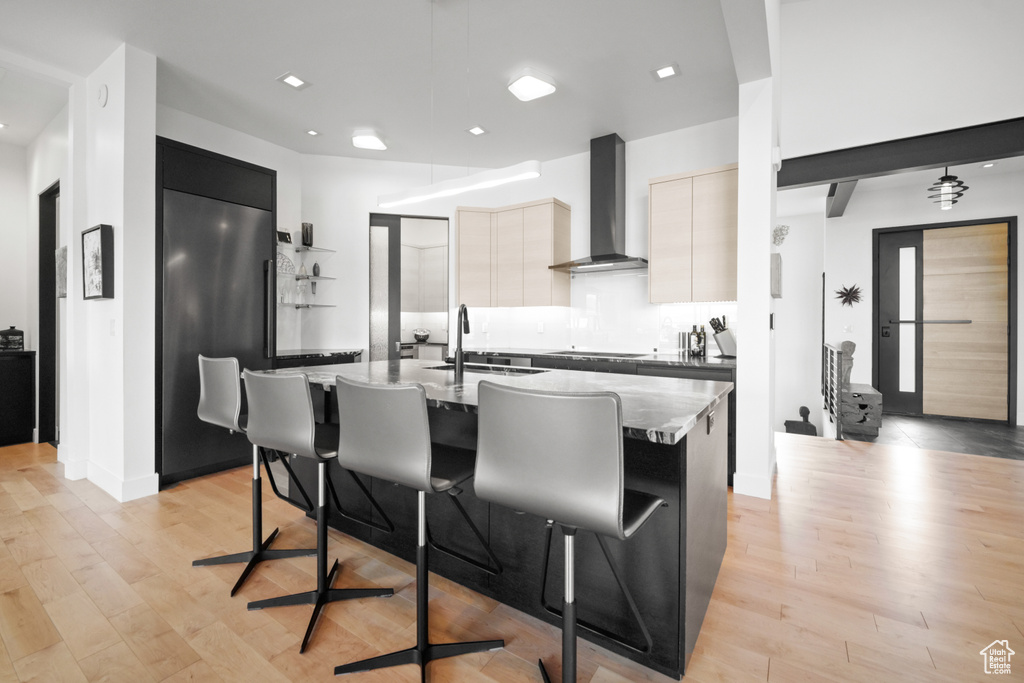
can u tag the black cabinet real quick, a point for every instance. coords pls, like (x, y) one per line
(710, 374)
(557, 363)
(17, 396)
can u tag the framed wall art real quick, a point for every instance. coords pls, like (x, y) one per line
(98, 262)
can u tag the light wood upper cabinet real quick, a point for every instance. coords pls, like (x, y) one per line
(669, 246)
(692, 247)
(545, 243)
(523, 241)
(473, 245)
(508, 264)
(715, 199)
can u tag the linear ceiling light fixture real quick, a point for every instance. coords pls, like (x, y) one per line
(368, 139)
(477, 181)
(529, 84)
(948, 191)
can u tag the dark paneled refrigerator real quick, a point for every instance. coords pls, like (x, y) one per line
(218, 268)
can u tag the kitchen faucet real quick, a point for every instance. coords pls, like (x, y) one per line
(463, 325)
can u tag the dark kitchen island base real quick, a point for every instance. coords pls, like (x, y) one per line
(669, 567)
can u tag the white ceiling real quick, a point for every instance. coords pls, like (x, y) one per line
(421, 72)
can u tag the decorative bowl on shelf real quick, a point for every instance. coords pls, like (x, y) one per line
(284, 264)
(420, 334)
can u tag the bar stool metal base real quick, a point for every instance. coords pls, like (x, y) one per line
(424, 651)
(568, 613)
(324, 594)
(261, 550)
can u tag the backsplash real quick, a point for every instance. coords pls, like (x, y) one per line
(609, 312)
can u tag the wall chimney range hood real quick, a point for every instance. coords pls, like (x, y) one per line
(607, 211)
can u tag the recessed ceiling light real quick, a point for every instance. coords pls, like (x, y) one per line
(288, 78)
(2, 125)
(368, 139)
(989, 164)
(530, 84)
(476, 130)
(667, 71)
(312, 132)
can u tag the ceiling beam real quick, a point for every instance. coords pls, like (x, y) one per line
(986, 142)
(838, 197)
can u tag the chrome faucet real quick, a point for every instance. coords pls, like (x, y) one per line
(463, 325)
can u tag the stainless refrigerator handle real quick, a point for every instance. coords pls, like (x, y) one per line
(931, 322)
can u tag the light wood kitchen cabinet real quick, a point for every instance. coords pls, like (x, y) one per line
(508, 258)
(669, 259)
(523, 240)
(473, 249)
(545, 242)
(692, 239)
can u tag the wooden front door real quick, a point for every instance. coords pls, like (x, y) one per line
(966, 277)
(943, 307)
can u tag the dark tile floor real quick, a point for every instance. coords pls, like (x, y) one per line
(957, 436)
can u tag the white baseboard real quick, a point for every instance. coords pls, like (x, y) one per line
(73, 469)
(121, 490)
(140, 487)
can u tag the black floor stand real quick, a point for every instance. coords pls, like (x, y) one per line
(424, 651)
(261, 550)
(568, 613)
(324, 593)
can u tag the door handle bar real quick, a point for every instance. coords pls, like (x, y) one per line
(931, 322)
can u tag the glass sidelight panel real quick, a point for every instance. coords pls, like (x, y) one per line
(908, 311)
(379, 295)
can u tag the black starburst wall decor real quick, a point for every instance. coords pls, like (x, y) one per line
(849, 296)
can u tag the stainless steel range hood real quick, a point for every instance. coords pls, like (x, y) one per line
(607, 211)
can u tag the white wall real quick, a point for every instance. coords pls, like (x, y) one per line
(120, 167)
(798, 320)
(46, 163)
(854, 73)
(848, 251)
(15, 235)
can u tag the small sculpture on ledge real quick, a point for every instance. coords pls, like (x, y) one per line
(847, 347)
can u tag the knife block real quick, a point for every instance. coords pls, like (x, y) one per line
(726, 343)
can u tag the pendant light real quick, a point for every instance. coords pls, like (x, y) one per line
(948, 190)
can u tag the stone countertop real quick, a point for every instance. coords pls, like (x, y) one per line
(656, 409)
(672, 358)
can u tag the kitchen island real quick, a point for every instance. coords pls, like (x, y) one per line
(675, 447)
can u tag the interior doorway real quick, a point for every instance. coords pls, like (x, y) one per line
(49, 316)
(945, 320)
(408, 284)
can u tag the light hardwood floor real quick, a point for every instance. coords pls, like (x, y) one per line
(870, 563)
